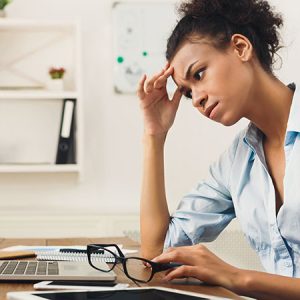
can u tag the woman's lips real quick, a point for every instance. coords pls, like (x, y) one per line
(209, 112)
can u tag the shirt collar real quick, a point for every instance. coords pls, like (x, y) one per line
(252, 138)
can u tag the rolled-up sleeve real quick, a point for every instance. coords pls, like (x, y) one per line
(207, 209)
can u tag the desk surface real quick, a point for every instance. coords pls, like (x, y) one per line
(127, 243)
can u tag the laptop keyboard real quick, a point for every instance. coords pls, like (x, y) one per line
(29, 268)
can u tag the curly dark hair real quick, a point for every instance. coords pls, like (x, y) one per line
(218, 20)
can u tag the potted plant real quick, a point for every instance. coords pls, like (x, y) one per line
(56, 75)
(3, 3)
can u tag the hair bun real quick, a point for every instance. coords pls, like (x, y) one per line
(220, 19)
(239, 12)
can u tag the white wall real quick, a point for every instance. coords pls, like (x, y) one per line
(113, 130)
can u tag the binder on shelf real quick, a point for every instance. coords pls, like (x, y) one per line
(66, 142)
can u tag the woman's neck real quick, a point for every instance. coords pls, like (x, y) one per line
(269, 107)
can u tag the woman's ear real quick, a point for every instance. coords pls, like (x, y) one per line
(242, 47)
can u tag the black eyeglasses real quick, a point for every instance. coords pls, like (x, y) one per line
(135, 268)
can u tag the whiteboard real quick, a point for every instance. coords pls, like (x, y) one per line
(140, 33)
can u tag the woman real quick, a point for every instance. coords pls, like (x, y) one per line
(220, 55)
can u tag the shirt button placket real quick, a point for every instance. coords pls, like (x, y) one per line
(287, 263)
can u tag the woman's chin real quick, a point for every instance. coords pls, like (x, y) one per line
(228, 120)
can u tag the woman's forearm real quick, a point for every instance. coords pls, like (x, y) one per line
(154, 209)
(266, 286)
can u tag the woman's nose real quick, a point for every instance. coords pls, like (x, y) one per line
(199, 100)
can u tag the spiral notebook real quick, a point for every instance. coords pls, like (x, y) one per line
(67, 254)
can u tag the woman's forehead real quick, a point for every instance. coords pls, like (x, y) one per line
(189, 52)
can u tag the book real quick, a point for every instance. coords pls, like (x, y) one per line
(66, 142)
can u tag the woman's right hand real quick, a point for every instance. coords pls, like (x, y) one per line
(158, 110)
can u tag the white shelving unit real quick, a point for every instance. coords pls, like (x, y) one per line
(37, 95)
(30, 112)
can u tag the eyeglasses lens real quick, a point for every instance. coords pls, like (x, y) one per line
(137, 269)
(102, 255)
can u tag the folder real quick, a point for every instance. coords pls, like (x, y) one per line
(66, 142)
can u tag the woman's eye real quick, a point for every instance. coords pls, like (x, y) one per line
(188, 94)
(198, 75)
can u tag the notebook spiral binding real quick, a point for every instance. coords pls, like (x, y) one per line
(72, 256)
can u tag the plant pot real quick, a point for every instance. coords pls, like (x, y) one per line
(56, 85)
(2, 13)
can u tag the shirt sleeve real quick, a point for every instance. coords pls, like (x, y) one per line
(208, 209)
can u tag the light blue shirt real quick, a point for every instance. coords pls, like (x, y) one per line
(239, 185)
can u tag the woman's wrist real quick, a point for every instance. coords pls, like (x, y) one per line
(154, 139)
(241, 281)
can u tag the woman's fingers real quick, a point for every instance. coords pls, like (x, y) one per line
(177, 96)
(157, 81)
(170, 249)
(186, 255)
(181, 272)
(166, 66)
(146, 264)
(162, 80)
(173, 255)
(198, 262)
(140, 89)
(149, 84)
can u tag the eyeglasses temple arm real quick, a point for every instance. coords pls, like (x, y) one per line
(110, 245)
(121, 254)
(166, 266)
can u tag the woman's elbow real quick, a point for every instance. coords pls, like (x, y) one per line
(151, 252)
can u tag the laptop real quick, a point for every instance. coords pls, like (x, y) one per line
(21, 270)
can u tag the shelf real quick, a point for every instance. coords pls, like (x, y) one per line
(40, 168)
(33, 94)
(31, 107)
(36, 24)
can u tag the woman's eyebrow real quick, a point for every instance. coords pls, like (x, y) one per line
(188, 71)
